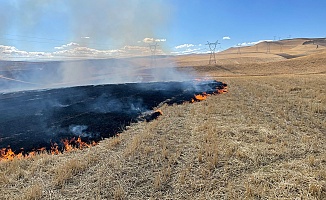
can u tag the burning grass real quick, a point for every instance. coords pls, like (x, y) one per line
(6, 154)
(265, 139)
(67, 145)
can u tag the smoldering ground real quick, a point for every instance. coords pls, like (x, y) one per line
(37, 118)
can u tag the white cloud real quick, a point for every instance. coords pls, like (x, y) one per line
(13, 52)
(87, 52)
(86, 37)
(226, 38)
(252, 43)
(184, 46)
(71, 44)
(160, 40)
(151, 40)
(74, 50)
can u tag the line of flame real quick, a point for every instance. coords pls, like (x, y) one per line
(69, 145)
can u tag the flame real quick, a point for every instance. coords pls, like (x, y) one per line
(54, 149)
(159, 111)
(201, 97)
(74, 144)
(222, 90)
(6, 154)
(67, 144)
(219, 90)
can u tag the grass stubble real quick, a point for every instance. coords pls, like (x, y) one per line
(265, 139)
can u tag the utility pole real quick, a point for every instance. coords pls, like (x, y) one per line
(152, 48)
(212, 47)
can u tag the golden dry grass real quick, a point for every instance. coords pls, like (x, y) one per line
(265, 139)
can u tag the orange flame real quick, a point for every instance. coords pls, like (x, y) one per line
(6, 154)
(54, 149)
(201, 97)
(69, 145)
(219, 90)
(159, 111)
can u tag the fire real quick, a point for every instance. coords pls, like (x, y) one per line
(6, 154)
(68, 145)
(219, 90)
(54, 149)
(74, 144)
(222, 90)
(201, 97)
(160, 112)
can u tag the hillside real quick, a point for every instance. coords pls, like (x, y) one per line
(264, 139)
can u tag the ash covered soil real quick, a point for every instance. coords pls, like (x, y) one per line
(39, 118)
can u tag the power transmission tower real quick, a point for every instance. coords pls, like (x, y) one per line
(239, 46)
(268, 47)
(152, 48)
(212, 47)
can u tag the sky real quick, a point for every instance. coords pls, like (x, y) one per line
(60, 29)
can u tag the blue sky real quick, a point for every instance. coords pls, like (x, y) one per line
(109, 28)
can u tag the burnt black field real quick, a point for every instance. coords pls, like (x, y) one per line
(37, 118)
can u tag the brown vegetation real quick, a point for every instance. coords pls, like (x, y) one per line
(264, 139)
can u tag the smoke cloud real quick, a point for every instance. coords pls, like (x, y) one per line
(90, 26)
(121, 22)
(113, 22)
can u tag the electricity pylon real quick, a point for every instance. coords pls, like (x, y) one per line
(239, 49)
(212, 47)
(268, 47)
(152, 48)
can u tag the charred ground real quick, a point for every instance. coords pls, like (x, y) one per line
(39, 118)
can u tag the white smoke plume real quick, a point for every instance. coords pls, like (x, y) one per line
(91, 25)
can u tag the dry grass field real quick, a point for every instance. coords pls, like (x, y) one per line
(264, 139)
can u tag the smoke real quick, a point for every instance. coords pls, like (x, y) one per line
(106, 22)
(120, 22)
(125, 25)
